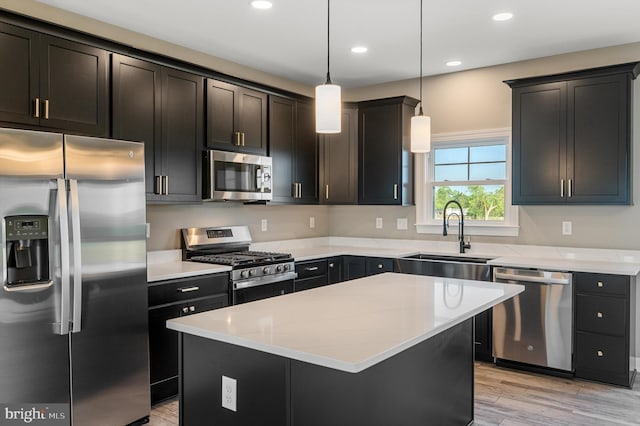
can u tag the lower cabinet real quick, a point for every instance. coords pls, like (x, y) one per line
(378, 265)
(483, 335)
(353, 267)
(172, 299)
(311, 274)
(604, 326)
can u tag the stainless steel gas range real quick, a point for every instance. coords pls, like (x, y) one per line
(254, 275)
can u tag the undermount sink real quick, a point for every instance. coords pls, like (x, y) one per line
(448, 258)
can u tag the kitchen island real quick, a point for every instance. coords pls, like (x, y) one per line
(386, 349)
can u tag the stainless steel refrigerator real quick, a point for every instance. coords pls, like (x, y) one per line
(73, 302)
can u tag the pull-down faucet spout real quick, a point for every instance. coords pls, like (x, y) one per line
(445, 219)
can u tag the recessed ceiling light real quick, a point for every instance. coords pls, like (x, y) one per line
(261, 4)
(453, 63)
(359, 49)
(505, 16)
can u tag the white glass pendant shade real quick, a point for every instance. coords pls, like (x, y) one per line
(328, 108)
(420, 133)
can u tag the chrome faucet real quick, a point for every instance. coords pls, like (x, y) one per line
(445, 225)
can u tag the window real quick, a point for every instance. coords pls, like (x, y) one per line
(473, 168)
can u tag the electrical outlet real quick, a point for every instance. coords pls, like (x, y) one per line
(378, 223)
(566, 228)
(402, 223)
(312, 222)
(263, 225)
(229, 394)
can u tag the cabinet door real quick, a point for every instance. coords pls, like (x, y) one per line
(306, 154)
(539, 144)
(252, 121)
(74, 82)
(163, 352)
(354, 267)
(18, 75)
(182, 134)
(282, 131)
(136, 97)
(482, 332)
(339, 162)
(598, 140)
(334, 268)
(222, 113)
(378, 265)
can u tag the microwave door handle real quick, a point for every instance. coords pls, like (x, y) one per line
(77, 256)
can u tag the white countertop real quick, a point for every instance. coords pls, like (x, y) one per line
(352, 325)
(571, 265)
(168, 265)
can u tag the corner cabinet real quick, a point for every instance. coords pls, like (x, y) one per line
(572, 137)
(164, 108)
(385, 162)
(293, 146)
(48, 83)
(236, 118)
(339, 161)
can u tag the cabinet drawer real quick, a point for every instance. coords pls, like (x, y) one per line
(598, 314)
(187, 288)
(600, 352)
(601, 284)
(314, 268)
(378, 265)
(309, 283)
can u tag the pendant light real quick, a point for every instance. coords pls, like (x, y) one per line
(328, 100)
(420, 124)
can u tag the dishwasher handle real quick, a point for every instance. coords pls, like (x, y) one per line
(530, 279)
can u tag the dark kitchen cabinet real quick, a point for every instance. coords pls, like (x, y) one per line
(572, 137)
(164, 108)
(311, 274)
(378, 265)
(236, 118)
(334, 268)
(50, 83)
(604, 323)
(339, 161)
(293, 147)
(172, 299)
(483, 336)
(385, 162)
(353, 267)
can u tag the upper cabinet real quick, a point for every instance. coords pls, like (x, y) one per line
(236, 118)
(385, 166)
(50, 83)
(339, 161)
(572, 137)
(293, 147)
(164, 108)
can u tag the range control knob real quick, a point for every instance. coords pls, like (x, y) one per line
(286, 267)
(244, 274)
(252, 272)
(279, 268)
(265, 270)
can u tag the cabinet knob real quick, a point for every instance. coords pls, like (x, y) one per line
(192, 308)
(600, 284)
(599, 315)
(600, 354)
(331, 265)
(380, 266)
(185, 310)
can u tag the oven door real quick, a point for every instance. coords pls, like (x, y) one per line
(261, 288)
(237, 176)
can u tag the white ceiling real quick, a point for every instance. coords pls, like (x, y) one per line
(289, 40)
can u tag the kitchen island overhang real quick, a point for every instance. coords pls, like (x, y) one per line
(387, 348)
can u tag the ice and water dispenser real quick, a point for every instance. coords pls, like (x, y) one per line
(27, 250)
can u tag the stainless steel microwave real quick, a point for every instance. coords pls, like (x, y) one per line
(236, 176)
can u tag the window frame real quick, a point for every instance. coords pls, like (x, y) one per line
(424, 167)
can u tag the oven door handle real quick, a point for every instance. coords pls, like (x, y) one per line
(269, 279)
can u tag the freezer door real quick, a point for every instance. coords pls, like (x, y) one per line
(34, 357)
(109, 344)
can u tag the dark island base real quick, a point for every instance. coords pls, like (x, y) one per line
(430, 383)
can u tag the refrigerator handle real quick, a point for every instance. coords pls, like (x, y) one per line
(77, 256)
(65, 296)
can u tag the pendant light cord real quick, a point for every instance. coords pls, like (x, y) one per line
(328, 41)
(421, 113)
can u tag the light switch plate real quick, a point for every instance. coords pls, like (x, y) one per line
(566, 228)
(378, 223)
(312, 222)
(263, 225)
(229, 394)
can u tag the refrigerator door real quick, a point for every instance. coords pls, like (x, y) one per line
(109, 344)
(34, 346)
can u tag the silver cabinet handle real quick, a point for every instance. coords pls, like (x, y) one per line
(188, 289)
(166, 185)
(242, 138)
(36, 108)
(599, 315)
(77, 256)
(46, 109)
(380, 266)
(185, 309)
(395, 191)
(600, 354)
(570, 187)
(332, 265)
(311, 268)
(158, 188)
(192, 308)
(561, 188)
(300, 190)
(326, 192)
(65, 289)
(600, 284)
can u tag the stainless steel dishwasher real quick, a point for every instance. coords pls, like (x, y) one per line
(535, 327)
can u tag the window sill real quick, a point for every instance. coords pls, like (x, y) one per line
(471, 229)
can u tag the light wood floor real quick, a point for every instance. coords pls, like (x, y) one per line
(511, 398)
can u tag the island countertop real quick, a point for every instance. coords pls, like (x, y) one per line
(352, 325)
